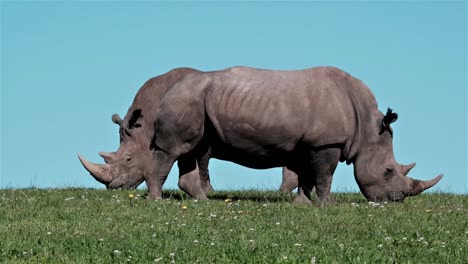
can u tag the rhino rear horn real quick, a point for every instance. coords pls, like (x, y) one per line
(100, 172)
(405, 169)
(418, 186)
(108, 157)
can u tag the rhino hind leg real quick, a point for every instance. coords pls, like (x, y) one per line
(204, 173)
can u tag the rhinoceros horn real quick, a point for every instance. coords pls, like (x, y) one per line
(108, 157)
(405, 169)
(100, 172)
(418, 186)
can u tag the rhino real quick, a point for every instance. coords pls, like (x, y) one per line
(126, 168)
(304, 120)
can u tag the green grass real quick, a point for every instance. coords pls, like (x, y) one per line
(98, 226)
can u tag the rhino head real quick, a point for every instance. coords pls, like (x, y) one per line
(126, 168)
(379, 176)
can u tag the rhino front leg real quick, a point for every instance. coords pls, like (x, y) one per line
(163, 164)
(290, 181)
(324, 163)
(189, 178)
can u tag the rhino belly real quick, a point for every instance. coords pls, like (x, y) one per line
(252, 158)
(253, 146)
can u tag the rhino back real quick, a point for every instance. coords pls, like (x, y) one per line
(262, 110)
(148, 97)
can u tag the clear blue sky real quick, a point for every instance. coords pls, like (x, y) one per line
(66, 67)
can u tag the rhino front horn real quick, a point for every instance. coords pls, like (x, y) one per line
(420, 186)
(100, 172)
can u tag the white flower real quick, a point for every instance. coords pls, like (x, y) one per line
(251, 229)
(157, 259)
(49, 233)
(388, 238)
(212, 215)
(212, 244)
(195, 241)
(380, 246)
(298, 245)
(312, 260)
(116, 252)
(172, 254)
(341, 246)
(277, 223)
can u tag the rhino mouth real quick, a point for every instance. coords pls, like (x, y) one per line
(415, 187)
(104, 174)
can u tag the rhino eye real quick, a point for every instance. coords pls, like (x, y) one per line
(389, 173)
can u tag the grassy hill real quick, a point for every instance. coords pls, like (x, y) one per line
(98, 226)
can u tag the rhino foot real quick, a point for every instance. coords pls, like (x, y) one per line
(302, 199)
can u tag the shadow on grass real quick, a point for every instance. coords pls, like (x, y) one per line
(264, 196)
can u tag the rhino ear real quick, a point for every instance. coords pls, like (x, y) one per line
(135, 119)
(116, 119)
(389, 118)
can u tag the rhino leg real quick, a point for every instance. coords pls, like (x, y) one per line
(189, 177)
(289, 182)
(323, 165)
(155, 180)
(304, 188)
(204, 174)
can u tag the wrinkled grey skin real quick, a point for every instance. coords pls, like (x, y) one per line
(127, 167)
(305, 120)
